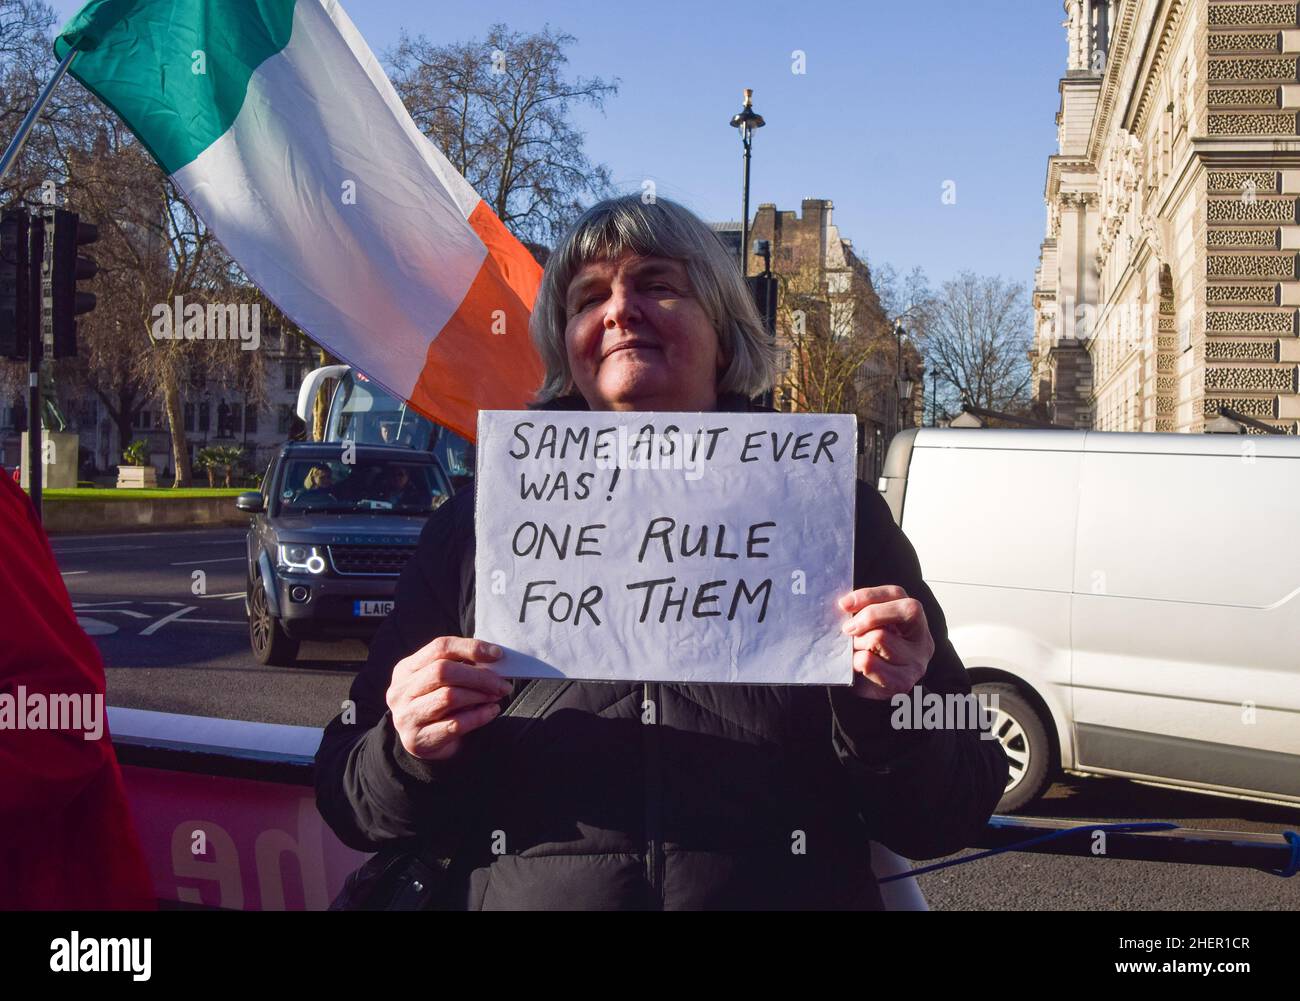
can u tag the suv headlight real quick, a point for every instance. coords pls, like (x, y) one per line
(294, 556)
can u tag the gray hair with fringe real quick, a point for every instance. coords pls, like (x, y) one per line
(657, 228)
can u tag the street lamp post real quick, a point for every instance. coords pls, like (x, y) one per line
(746, 120)
(905, 384)
(763, 288)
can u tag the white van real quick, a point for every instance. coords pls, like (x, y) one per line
(1132, 599)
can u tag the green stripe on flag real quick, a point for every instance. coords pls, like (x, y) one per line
(176, 71)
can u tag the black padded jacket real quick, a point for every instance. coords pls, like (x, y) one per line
(736, 797)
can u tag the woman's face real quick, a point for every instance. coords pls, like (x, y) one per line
(638, 339)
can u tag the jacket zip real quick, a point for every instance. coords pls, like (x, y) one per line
(653, 795)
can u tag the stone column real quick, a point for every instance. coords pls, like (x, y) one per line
(1101, 29)
(1072, 18)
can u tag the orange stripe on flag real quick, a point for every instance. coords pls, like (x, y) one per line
(483, 358)
(519, 268)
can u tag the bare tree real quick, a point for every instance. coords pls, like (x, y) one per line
(152, 249)
(831, 338)
(26, 63)
(975, 332)
(499, 110)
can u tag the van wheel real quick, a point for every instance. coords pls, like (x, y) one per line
(271, 645)
(1023, 737)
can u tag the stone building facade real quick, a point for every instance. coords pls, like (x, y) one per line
(809, 254)
(1169, 281)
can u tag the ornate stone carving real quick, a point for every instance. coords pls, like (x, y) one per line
(1241, 350)
(1264, 68)
(1244, 208)
(1224, 321)
(1153, 229)
(1244, 295)
(1166, 345)
(1245, 97)
(1251, 265)
(1164, 425)
(1250, 406)
(1237, 180)
(1166, 405)
(1253, 123)
(1252, 15)
(1246, 41)
(1262, 238)
(1166, 383)
(1251, 379)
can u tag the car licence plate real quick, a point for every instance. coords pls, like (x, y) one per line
(365, 609)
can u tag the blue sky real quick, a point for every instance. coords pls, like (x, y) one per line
(897, 99)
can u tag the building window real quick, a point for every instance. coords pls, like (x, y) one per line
(250, 419)
(189, 418)
(205, 417)
(284, 418)
(292, 374)
(143, 420)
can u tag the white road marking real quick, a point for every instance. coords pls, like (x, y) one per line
(100, 549)
(151, 629)
(93, 627)
(223, 559)
(219, 622)
(120, 611)
(232, 596)
(97, 604)
(71, 573)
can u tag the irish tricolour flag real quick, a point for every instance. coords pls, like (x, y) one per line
(277, 123)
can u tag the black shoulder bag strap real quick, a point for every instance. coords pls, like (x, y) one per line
(409, 880)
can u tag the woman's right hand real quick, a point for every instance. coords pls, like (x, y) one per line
(443, 691)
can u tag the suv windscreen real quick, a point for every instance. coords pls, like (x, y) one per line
(363, 412)
(332, 487)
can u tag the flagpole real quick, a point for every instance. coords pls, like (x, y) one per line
(16, 144)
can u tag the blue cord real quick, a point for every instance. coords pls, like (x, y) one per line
(1293, 866)
(1154, 826)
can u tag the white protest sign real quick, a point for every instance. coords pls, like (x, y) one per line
(688, 547)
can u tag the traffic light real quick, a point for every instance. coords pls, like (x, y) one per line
(15, 286)
(62, 268)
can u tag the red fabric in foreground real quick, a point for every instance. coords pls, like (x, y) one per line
(67, 840)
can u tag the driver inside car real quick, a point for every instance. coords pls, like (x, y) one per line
(318, 488)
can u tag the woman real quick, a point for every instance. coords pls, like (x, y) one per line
(726, 796)
(318, 478)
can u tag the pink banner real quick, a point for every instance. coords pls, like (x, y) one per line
(236, 843)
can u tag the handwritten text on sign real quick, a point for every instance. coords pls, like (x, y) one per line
(705, 547)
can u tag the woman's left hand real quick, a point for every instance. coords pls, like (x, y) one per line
(892, 645)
